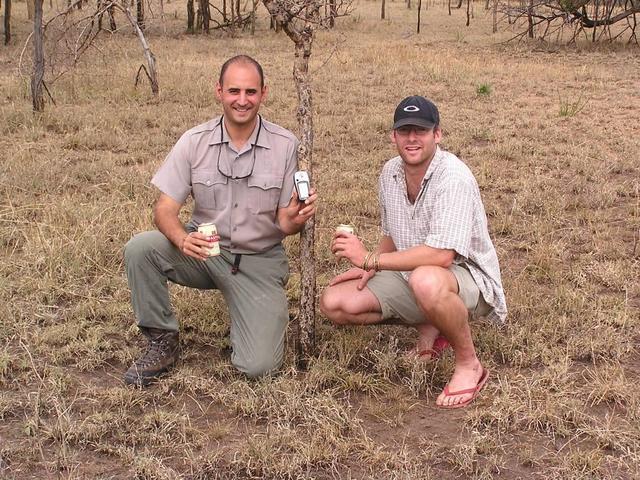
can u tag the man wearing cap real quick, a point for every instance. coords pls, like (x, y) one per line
(239, 170)
(435, 265)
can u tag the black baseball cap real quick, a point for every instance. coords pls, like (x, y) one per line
(418, 111)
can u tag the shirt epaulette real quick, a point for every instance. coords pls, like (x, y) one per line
(278, 130)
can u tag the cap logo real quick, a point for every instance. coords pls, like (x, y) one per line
(411, 108)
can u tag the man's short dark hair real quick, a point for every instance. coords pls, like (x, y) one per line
(246, 59)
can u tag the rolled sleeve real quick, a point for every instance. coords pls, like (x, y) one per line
(173, 178)
(452, 220)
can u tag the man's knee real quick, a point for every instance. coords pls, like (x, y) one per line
(428, 283)
(332, 306)
(140, 245)
(258, 367)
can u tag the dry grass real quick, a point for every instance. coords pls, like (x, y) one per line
(552, 135)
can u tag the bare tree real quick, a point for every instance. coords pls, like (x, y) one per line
(333, 12)
(37, 76)
(190, 16)
(544, 18)
(7, 22)
(382, 9)
(299, 20)
(66, 36)
(139, 14)
(151, 71)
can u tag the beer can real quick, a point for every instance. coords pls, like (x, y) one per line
(209, 229)
(345, 227)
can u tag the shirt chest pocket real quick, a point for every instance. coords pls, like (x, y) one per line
(209, 189)
(264, 193)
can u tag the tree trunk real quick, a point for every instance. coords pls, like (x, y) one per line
(333, 13)
(151, 59)
(306, 315)
(37, 77)
(7, 22)
(382, 9)
(495, 16)
(468, 9)
(254, 9)
(162, 20)
(419, 9)
(530, 18)
(302, 35)
(206, 15)
(112, 19)
(190, 16)
(140, 13)
(99, 8)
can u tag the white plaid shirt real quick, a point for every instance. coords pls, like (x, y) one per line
(448, 214)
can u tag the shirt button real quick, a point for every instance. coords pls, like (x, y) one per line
(235, 228)
(208, 182)
(235, 205)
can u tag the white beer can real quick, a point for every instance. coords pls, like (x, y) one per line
(209, 229)
(344, 227)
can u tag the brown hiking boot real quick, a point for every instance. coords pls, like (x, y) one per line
(163, 351)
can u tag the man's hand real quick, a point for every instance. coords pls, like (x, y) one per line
(195, 243)
(354, 274)
(347, 245)
(292, 217)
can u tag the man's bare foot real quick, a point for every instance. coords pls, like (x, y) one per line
(466, 382)
(425, 348)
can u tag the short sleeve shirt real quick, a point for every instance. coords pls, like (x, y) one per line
(239, 191)
(448, 214)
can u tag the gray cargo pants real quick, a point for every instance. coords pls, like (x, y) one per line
(255, 295)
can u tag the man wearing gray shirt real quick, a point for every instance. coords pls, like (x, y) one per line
(238, 168)
(435, 265)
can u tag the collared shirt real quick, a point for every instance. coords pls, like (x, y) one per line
(448, 214)
(205, 164)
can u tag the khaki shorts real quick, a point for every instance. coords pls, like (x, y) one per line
(398, 302)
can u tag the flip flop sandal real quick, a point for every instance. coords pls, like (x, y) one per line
(439, 345)
(474, 390)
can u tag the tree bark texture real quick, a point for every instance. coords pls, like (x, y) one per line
(7, 22)
(37, 76)
(299, 21)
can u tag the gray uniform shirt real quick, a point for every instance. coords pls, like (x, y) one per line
(448, 214)
(238, 191)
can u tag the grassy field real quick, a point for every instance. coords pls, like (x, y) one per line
(552, 135)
